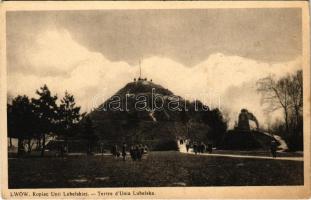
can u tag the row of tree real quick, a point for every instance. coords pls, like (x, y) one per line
(285, 93)
(37, 118)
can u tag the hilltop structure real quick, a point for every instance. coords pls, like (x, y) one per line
(139, 79)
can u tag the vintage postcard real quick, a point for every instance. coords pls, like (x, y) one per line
(155, 100)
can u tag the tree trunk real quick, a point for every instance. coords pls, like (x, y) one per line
(286, 122)
(297, 117)
(43, 146)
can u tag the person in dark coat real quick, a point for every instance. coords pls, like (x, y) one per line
(199, 148)
(138, 152)
(145, 149)
(195, 148)
(102, 149)
(115, 151)
(187, 146)
(210, 147)
(273, 148)
(132, 152)
(203, 147)
(124, 151)
(141, 148)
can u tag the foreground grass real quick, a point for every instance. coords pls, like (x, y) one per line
(157, 169)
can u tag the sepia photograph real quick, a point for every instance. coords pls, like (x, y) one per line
(151, 95)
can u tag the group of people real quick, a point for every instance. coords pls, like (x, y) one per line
(197, 147)
(136, 151)
(115, 151)
(202, 148)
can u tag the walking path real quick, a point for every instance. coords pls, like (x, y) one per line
(182, 149)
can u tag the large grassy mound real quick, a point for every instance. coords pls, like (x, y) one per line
(154, 127)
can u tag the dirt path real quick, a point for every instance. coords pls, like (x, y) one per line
(182, 149)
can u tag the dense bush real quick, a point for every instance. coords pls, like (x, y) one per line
(166, 145)
(235, 140)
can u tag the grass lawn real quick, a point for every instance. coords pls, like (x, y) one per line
(157, 169)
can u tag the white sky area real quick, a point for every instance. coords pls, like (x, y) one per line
(57, 60)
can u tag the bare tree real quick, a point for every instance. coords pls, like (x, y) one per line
(275, 93)
(286, 93)
(296, 97)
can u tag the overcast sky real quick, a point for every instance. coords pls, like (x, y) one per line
(89, 53)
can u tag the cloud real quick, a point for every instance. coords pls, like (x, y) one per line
(57, 60)
(228, 82)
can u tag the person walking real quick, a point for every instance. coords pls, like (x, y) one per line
(195, 147)
(210, 147)
(138, 152)
(199, 148)
(203, 147)
(124, 151)
(115, 151)
(141, 148)
(132, 153)
(187, 146)
(145, 149)
(273, 148)
(102, 149)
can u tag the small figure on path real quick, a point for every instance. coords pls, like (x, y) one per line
(102, 149)
(273, 148)
(124, 151)
(187, 146)
(141, 148)
(132, 153)
(138, 152)
(210, 147)
(195, 147)
(202, 147)
(146, 149)
(199, 148)
(114, 151)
